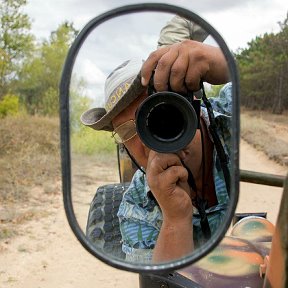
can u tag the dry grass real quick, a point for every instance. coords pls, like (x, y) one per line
(29, 155)
(29, 158)
(30, 170)
(266, 132)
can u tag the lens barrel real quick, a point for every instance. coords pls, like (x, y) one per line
(166, 122)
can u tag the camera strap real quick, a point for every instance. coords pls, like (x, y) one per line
(133, 160)
(218, 145)
(200, 204)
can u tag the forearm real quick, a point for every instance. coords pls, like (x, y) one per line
(175, 240)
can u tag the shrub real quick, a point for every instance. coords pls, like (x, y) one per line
(88, 141)
(9, 105)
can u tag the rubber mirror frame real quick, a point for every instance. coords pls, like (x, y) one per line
(65, 138)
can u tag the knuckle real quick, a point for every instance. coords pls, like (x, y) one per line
(186, 42)
(177, 71)
(193, 86)
(156, 55)
(159, 86)
(153, 55)
(162, 64)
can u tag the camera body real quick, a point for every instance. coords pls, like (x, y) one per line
(167, 121)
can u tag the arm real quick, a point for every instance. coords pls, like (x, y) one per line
(167, 179)
(175, 240)
(179, 29)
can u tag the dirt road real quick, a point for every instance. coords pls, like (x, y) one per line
(46, 254)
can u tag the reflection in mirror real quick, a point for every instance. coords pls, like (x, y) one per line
(178, 198)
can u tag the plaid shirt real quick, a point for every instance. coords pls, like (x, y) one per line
(140, 216)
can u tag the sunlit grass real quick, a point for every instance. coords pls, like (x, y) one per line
(88, 141)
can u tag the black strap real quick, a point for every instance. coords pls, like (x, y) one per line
(200, 204)
(218, 145)
(133, 160)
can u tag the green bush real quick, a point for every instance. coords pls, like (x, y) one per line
(50, 102)
(88, 141)
(9, 105)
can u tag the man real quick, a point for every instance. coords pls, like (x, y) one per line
(157, 219)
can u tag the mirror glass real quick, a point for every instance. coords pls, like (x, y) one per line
(101, 171)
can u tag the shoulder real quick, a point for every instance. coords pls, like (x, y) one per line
(223, 102)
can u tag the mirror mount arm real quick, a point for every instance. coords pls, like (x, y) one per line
(261, 178)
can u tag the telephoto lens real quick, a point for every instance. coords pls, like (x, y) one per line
(166, 122)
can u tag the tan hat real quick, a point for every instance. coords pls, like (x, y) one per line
(122, 87)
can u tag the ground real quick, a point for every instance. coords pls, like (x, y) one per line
(46, 254)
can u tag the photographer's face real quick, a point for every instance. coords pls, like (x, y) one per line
(135, 146)
(140, 152)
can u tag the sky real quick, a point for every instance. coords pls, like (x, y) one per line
(238, 22)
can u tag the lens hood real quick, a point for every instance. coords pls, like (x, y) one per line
(166, 122)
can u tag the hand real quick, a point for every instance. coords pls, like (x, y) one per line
(184, 65)
(167, 179)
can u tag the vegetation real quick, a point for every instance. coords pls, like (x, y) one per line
(16, 42)
(9, 105)
(89, 141)
(264, 71)
(30, 70)
(39, 76)
(29, 155)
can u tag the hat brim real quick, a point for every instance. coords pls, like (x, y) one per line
(98, 119)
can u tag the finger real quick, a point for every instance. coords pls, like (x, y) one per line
(193, 79)
(178, 73)
(163, 70)
(171, 177)
(177, 173)
(158, 162)
(150, 64)
(195, 73)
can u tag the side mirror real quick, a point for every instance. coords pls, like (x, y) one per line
(106, 41)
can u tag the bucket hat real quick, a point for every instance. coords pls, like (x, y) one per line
(122, 87)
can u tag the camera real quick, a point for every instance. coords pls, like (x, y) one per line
(167, 121)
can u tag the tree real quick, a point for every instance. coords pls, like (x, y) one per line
(264, 71)
(281, 58)
(15, 41)
(41, 73)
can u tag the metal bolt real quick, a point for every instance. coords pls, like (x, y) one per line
(164, 285)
